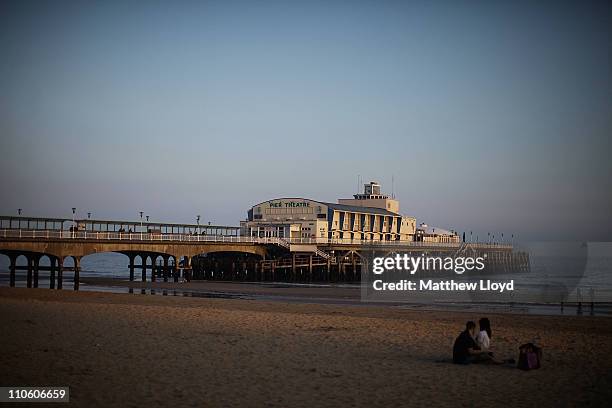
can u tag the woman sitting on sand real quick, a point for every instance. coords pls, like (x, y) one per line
(483, 339)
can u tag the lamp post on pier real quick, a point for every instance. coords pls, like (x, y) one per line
(141, 212)
(73, 221)
(198, 221)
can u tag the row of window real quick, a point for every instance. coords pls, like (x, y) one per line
(289, 210)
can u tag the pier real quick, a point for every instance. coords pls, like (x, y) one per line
(190, 251)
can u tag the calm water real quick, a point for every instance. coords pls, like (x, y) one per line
(587, 280)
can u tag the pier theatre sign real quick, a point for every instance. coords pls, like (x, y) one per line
(289, 204)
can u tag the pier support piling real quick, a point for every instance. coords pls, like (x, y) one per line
(131, 266)
(35, 265)
(52, 272)
(60, 272)
(153, 268)
(165, 270)
(77, 269)
(12, 267)
(175, 269)
(144, 259)
(30, 261)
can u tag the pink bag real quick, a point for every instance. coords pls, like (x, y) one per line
(530, 357)
(533, 361)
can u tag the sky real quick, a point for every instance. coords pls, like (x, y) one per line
(490, 116)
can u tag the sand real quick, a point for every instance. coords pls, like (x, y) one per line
(134, 350)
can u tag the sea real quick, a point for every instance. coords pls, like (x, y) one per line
(564, 279)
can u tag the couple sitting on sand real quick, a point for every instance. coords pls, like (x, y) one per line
(468, 349)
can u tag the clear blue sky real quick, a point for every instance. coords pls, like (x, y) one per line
(492, 116)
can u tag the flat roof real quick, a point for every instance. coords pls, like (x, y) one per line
(152, 223)
(358, 208)
(339, 207)
(87, 221)
(26, 218)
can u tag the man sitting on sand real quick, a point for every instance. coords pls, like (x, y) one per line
(465, 349)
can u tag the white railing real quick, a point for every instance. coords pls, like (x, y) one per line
(284, 242)
(322, 254)
(280, 242)
(123, 236)
(345, 241)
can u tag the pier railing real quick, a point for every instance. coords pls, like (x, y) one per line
(137, 236)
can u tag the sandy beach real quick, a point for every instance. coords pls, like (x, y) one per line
(131, 350)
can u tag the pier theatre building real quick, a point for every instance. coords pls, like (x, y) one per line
(370, 216)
